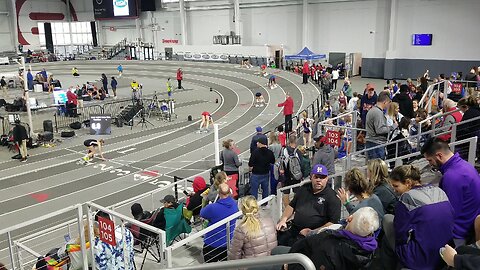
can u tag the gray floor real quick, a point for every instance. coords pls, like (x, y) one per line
(52, 179)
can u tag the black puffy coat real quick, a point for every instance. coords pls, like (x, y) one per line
(330, 250)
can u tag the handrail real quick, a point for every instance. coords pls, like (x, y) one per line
(418, 135)
(214, 226)
(257, 261)
(38, 219)
(437, 115)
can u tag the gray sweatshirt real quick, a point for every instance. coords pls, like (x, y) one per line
(326, 156)
(376, 126)
(230, 160)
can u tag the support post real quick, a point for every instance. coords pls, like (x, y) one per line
(90, 231)
(183, 22)
(354, 132)
(14, 28)
(217, 144)
(82, 237)
(305, 23)
(236, 18)
(25, 87)
(10, 249)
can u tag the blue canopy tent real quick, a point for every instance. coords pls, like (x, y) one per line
(305, 54)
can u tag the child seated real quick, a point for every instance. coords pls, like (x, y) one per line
(259, 100)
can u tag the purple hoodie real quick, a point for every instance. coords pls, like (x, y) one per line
(461, 183)
(423, 224)
(367, 243)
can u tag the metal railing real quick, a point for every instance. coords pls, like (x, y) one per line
(472, 145)
(226, 233)
(257, 261)
(152, 199)
(124, 222)
(63, 118)
(433, 91)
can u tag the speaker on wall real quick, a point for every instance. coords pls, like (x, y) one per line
(148, 5)
(48, 37)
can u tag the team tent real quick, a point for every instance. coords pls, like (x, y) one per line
(305, 54)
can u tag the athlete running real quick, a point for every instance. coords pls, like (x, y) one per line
(206, 120)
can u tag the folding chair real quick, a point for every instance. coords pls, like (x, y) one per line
(147, 240)
(176, 224)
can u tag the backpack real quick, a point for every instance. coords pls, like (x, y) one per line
(291, 162)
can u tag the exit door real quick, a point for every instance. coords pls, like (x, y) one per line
(168, 53)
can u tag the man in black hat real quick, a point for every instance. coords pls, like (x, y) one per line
(20, 136)
(168, 201)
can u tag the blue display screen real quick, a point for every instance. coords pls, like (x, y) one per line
(422, 39)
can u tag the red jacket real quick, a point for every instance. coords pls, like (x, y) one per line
(287, 106)
(179, 75)
(305, 68)
(458, 117)
(72, 98)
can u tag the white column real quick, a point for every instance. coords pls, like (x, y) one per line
(392, 33)
(27, 97)
(305, 23)
(100, 34)
(236, 12)
(216, 141)
(183, 22)
(69, 20)
(13, 21)
(138, 27)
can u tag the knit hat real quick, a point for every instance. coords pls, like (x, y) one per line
(136, 209)
(263, 140)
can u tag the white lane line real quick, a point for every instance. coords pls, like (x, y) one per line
(149, 168)
(137, 168)
(137, 141)
(116, 136)
(189, 153)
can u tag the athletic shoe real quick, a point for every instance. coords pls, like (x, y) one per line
(86, 158)
(23, 160)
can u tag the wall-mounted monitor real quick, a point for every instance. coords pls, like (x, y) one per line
(115, 9)
(422, 39)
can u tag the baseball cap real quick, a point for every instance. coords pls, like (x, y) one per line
(319, 169)
(263, 140)
(320, 138)
(258, 129)
(370, 86)
(168, 199)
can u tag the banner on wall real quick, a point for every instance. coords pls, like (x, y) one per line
(114, 9)
(205, 57)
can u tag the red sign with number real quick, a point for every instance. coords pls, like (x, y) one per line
(457, 88)
(107, 230)
(333, 138)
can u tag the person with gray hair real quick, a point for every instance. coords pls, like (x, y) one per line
(454, 116)
(349, 248)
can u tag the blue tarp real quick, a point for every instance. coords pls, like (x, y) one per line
(305, 54)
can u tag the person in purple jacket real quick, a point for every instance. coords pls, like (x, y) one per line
(461, 183)
(423, 223)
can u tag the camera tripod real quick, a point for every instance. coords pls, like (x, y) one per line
(154, 106)
(137, 101)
